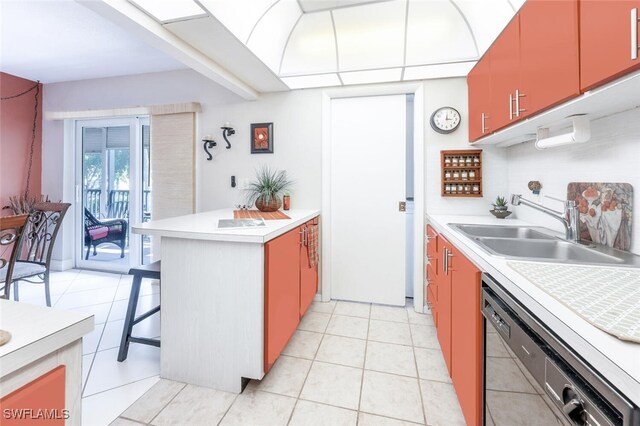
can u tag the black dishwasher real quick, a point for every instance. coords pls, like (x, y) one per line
(532, 378)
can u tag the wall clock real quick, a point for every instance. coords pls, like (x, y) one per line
(445, 120)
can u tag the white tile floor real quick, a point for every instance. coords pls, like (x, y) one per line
(347, 364)
(109, 387)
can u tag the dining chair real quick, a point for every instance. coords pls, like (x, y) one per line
(11, 228)
(33, 262)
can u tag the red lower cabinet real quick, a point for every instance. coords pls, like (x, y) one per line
(466, 336)
(455, 305)
(281, 293)
(308, 271)
(38, 403)
(290, 285)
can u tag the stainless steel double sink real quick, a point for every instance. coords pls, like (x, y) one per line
(540, 244)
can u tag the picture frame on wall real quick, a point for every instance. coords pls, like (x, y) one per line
(262, 138)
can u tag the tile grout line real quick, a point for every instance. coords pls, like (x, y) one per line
(415, 360)
(310, 367)
(364, 363)
(165, 405)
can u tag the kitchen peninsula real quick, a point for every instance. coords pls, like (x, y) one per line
(230, 298)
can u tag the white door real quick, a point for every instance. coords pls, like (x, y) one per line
(367, 184)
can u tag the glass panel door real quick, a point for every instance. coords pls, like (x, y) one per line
(110, 193)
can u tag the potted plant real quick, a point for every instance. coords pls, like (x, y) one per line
(501, 204)
(265, 191)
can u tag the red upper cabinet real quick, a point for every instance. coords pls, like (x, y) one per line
(549, 61)
(505, 75)
(308, 273)
(282, 293)
(608, 40)
(466, 336)
(479, 88)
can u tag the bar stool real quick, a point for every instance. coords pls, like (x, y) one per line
(151, 271)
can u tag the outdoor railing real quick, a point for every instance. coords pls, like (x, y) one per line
(117, 203)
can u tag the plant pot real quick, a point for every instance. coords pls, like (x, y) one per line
(267, 203)
(500, 208)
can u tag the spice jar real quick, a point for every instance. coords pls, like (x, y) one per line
(447, 175)
(286, 202)
(460, 189)
(464, 175)
(456, 175)
(447, 161)
(476, 161)
(472, 174)
(476, 188)
(454, 161)
(467, 189)
(468, 161)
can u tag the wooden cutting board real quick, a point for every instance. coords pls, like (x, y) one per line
(605, 212)
(257, 214)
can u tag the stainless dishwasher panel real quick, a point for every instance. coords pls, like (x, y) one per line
(531, 377)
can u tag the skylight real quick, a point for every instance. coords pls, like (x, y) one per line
(170, 10)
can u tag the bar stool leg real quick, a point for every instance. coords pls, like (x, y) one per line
(129, 319)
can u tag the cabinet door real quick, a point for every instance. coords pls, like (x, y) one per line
(606, 41)
(549, 49)
(479, 87)
(443, 279)
(308, 273)
(505, 75)
(47, 392)
(466, 336)
(282, 293)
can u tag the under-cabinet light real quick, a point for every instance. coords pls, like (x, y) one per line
(581, 133)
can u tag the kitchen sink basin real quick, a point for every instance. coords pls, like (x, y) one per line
(548, 250)
(521, 232)
(538, 244)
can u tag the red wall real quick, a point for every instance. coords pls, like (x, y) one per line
(16, 123)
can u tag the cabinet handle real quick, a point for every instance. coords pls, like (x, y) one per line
(510, 106)
(634, 34)
(518, 96)
(484, 119)
(445, 261)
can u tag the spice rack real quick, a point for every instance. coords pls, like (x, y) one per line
(461, 173)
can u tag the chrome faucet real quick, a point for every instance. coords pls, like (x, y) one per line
(569, 217)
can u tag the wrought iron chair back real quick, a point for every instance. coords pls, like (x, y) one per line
(11, 228)
(36, 246)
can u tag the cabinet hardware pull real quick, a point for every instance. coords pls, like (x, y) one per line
(444, 261)
(484, 118)
(518, 96)
(634, 33)
(510, 106)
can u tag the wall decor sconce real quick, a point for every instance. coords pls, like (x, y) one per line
(227, 130)
(208, 144)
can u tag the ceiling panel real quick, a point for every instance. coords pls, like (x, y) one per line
(312, 46)
(436, 33)
(370, 36)
(272, 32)
(239, 23)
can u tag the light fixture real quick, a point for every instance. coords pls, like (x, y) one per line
(227, 130)
(581, 133)
(170, 10)
(209, 143)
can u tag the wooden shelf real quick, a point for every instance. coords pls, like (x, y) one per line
(462, 167)
(462, 195)
(477, 167)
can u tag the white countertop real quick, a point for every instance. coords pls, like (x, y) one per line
(37, 331)
(617, 360)
(204, 226)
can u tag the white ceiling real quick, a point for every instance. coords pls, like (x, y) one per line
(251, 46)
(61, 40)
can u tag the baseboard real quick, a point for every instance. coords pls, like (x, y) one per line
(62, 265)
